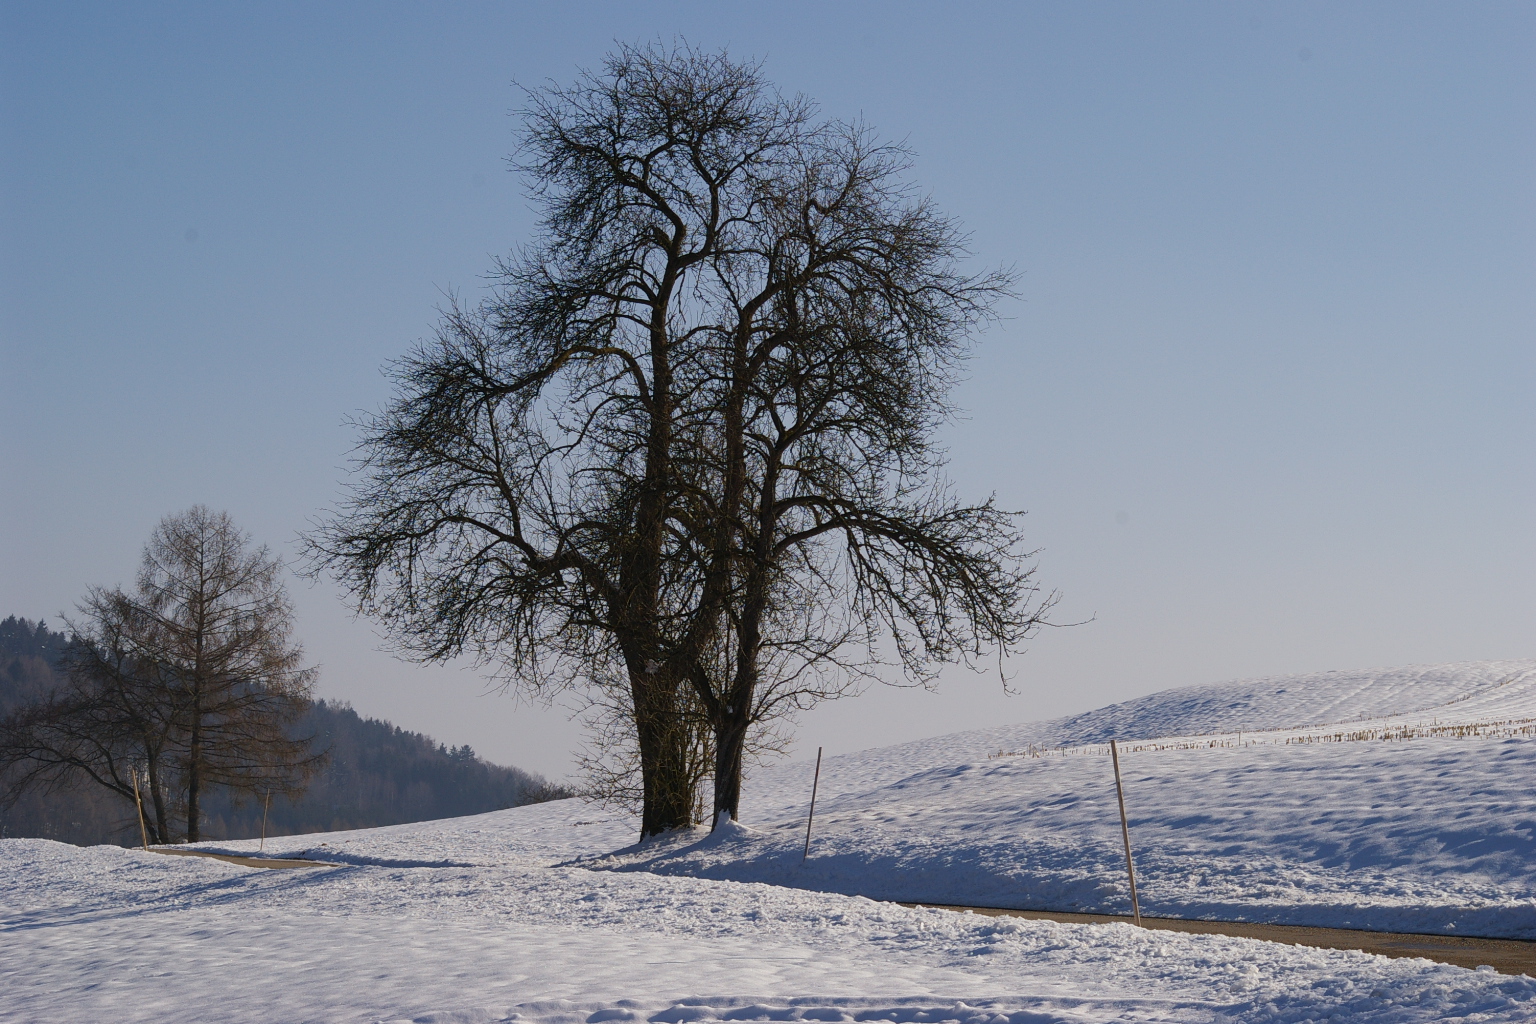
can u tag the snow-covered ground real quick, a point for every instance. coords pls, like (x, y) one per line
(1400, 800)
(498, 917)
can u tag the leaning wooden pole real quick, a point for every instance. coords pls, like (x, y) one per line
(1125, 834)
(264, 809)
(139, 802)
(815, 781)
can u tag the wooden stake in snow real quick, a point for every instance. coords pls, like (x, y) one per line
(1125, 833)
(139, 801)
(815, 781)
(264, 809)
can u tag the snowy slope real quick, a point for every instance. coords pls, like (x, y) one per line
(108, 934)
(1447, 694)
(497, 917)
(1391, 800)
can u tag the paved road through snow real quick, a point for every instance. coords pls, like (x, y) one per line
(1507, 956)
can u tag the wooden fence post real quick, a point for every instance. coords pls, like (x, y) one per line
(139, 802)
(815, 781)
(1125, 834)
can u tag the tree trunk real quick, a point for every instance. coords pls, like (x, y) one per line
(667, 788)
(730, 746)
(161, 826)
(734, 716)
(194, 774)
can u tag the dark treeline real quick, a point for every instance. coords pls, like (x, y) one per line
(378, 774)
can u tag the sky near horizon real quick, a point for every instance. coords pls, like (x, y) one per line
(1268, 393)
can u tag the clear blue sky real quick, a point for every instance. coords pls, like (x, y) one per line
(1269, 394)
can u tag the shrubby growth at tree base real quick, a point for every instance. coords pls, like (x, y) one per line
(684, 456)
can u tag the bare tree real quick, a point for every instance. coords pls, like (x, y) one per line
(705, 396)
(193, 678)
(841, 535)
(112, 722)
(519, 499)
(220, 626)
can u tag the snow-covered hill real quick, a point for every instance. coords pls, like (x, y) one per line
(496, 918)
(1399, 799)
(1428, 696)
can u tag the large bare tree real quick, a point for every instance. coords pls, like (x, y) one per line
(520, 499)
(702, 397)
(192, 678)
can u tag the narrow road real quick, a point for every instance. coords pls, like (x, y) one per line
(1507, 956)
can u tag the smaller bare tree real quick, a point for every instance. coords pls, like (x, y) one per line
(111, 720)
(192, 677)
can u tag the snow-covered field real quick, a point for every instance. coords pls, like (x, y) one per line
(1313, 818)
(1402, 800)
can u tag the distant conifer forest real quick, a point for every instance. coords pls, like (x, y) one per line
(377, 773)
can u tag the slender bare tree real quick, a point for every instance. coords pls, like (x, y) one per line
(220, 626)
